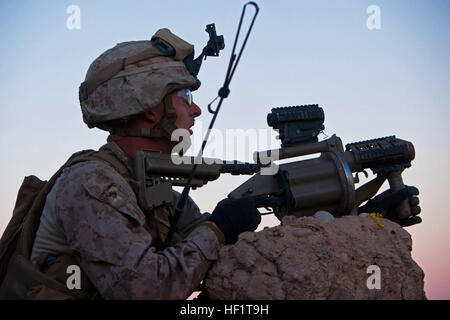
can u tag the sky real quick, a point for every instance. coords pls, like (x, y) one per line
(391, 80)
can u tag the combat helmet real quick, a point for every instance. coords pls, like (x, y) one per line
(133, 77)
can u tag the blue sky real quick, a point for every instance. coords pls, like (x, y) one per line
(371, 83)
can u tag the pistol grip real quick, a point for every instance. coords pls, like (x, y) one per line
(396, 183)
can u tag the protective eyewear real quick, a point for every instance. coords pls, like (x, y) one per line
(186, 96)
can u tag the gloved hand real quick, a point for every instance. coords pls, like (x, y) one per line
(387, 202)
(234, 216)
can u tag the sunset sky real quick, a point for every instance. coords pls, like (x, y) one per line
(371, 83)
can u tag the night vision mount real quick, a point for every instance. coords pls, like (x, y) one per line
(212, 49)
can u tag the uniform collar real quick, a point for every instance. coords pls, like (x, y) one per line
(114, 148)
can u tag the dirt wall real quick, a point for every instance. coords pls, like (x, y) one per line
(311, 258)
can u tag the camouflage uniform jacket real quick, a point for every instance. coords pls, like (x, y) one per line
(92, 213)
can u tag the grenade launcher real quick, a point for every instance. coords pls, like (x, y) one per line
(304, 187)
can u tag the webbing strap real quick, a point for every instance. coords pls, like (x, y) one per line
(99, 155)
(112, 161)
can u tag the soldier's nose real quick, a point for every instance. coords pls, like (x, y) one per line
(195, 110)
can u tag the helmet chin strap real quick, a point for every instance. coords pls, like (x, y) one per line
(163, 129)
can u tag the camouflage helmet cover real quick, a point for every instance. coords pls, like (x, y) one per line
(138, 86)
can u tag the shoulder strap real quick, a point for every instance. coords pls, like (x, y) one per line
(103, 156)
(112, 161)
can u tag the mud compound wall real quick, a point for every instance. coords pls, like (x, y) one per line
(351, 257)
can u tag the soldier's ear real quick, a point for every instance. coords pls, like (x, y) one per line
(154, 114)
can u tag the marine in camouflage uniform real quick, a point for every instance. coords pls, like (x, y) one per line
(92, 215)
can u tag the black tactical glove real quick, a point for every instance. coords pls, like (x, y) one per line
(387, 202)
(234, 216)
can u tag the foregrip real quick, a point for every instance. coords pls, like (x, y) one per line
(396, 183)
